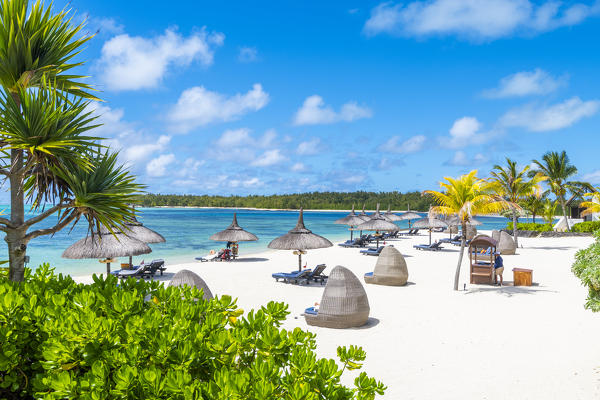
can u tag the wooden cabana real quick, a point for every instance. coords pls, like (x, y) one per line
(482, 255)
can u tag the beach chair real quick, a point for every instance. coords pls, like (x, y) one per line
(448, 240)
(317, 274)
(372, 251)
(157, 265)
(429, 247)
(413, 232)
(139, 271)
(292, 277)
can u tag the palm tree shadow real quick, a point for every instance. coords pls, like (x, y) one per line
(508, 290)
(250, 259)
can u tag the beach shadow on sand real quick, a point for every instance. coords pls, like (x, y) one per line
(371, 322)
(550, 248)
(509, 290)
(251, 259)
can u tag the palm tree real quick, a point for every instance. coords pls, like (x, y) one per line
(512, 184)
(46, 155)
(557, 169)
(549, 211)
(534, 203)
(592, 206)
(465, 197)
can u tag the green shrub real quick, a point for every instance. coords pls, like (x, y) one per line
(587, 268)
(530, 226)
(140, 340)
(588, 226)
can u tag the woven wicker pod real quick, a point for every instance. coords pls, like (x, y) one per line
(344, 303)
(186, 277)
(471, 232)
(390, 269)
(506, 244)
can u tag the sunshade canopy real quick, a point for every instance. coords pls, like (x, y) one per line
(234, 233)
(299, 238)
(106, 245)
(138, 231)
(429, 223)
(351, 219)
(378, 223)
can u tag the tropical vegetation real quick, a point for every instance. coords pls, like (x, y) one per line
(512, 184)
(587, 268)
(587, 226)
(530, 226)
(593, 205)
(314, 200)
(141, 340)
(557, 170)
(46, 153)
(464, 198)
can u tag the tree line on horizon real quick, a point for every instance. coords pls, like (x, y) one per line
(313, 200)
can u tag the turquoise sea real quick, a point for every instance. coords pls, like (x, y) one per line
(187, 232)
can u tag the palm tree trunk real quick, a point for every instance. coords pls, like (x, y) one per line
(564, 209)
(533, 215)
(460, 256)
(15, 237)
(515, 227)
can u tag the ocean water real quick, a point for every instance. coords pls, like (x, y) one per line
(187, 232)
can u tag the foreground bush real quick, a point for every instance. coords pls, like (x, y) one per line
(530, 226)
(140, 340)
(588, 226)
(587, 268)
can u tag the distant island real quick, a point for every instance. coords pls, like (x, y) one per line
(314, 201)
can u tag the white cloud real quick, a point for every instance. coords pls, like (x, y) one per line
(248, 54)
(198, 106)
(309, 147)
(157, 167)
(549, 118)
(268, 158)
(461, 159)
(314, 111)
(526, 83)
(140, 152)
(465, 131)
(476, 19)
(298, 167)
(592, 177)
(410, 145)
(134, 62)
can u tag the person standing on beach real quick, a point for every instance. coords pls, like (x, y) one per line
(498, 269)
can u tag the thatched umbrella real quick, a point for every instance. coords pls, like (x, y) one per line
(106, 245)
(409, 215)
(351, 220)
(234, 233)
(390, 216)
(378, 224)
(138, 231)
(430, 223)
(299, 239)
(454, 221)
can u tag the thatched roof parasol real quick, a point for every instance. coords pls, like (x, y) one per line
(364, 215)
(138, 231)
(351, 220)
(186, 277)
(453, 221)
(299, 239)
(234, 233)
(106, 245)
(429, 223)
(390, 216)
(377, 223)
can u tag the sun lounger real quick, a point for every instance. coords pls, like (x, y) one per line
(292, 277)
(317, 274)
(429, 247)
(374, 251)
(448, 240)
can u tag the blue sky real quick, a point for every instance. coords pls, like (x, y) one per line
(280, 97)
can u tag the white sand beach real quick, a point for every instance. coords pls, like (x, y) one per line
(426, 341)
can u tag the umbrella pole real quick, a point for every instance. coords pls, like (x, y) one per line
(429, 235)
(299, 260)
(107, 269)
(351, 232)
(130, 261)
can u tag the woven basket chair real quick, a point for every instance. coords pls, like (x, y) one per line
(344, 303)
(506, 244)
(186, 277)
(390, 269)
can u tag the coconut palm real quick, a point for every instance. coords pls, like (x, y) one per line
(593, 205)
(549, 211)
(557, 169)
(466, 197)
(513, 185)
(534, 203)
(47, 156)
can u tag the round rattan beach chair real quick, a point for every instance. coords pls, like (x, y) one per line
(390, 269)
(344, 303)
(506, 243)
(471, 232)
(186, 277)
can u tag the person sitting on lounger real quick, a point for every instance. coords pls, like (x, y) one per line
(498, 269)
